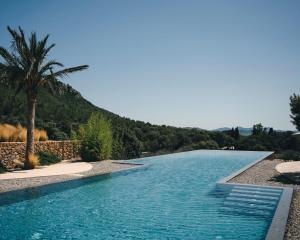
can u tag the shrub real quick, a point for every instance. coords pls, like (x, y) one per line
(56, 134)
(36, 135)
(22, 133)
(259, 147)
(10, 133)
(185, 148)
(33, 161)
(43, 135)
(209, 144)
(96, 137)
(48, 158)
(2, 169)
(290, 155)
(6, 132)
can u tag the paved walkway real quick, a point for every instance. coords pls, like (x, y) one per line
(65, 167)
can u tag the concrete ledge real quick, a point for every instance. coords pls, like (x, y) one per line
(128, 163)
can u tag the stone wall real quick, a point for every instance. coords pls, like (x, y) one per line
(16, 150)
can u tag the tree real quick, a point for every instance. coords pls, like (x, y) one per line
(236, 133)
(295, 110)
(258, 129)
(27, 67)
(232, 133)
(271, 131)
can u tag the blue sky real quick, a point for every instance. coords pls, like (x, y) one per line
(186, 63)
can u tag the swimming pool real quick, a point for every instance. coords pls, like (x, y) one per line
(173, 197)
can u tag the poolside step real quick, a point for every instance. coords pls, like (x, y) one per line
(252, 200)
(264, 189)
(256, 192)
(259, 197)
(248, 205)
(246, 212)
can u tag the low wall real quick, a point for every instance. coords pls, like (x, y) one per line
(63, 149)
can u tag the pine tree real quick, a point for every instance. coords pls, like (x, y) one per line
(236, 133)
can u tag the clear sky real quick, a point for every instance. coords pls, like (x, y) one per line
(185, 63)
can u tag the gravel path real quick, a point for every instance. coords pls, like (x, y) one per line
(264, 173)
(102, 167)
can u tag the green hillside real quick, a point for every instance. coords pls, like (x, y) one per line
(61, 113)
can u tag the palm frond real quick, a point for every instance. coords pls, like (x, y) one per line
(9, 58)
(33, 43)
(19, 44)
(66, 71)
(49, 66)
(40, 49)
(47, 50)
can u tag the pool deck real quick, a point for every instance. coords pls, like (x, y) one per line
(37, 177)
(264, 173)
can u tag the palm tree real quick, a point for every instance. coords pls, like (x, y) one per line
(26, 67)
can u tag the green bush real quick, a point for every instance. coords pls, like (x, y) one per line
(96, 139)
(259, 147)
(209, 144)
(48, 158)
(2, 169)
(290, 155)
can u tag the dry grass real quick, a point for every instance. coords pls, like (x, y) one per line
(36, 135)
(10, 133)
(43, 135)
(5, 133)
(33, 161)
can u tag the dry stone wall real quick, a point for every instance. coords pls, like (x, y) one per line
(10, 151)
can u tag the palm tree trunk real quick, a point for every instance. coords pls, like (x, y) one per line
(31, 102)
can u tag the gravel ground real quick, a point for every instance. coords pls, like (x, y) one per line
(264, 173)
(107, 166)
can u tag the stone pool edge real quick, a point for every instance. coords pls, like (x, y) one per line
(56, 179)
(277, 228)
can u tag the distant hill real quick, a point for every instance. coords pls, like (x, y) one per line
(243, 131)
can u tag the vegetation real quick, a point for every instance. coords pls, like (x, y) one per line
(259, 130)
(63, 112)
(290, 155)
(235, 133)
(295, 110)
(33, 161)
(2, 169)
(48, 158)
(26, 67)
(96, 139)
(10, 133)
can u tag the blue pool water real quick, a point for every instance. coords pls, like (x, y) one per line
(173, 197)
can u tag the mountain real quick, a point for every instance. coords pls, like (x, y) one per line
(243, 131)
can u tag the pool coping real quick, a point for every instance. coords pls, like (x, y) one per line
(277, 228)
